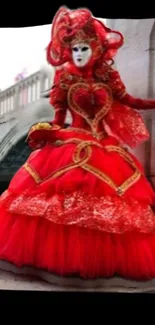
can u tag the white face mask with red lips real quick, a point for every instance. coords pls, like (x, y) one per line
(81, 54)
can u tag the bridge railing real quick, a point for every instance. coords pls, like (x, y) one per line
(23, 93)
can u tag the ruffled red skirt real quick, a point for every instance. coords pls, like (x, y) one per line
(80, 208)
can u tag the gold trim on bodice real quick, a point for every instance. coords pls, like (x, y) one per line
(93, 123)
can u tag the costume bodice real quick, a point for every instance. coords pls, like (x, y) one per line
(97, 99)
(88, 100)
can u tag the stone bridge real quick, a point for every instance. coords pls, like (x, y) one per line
(23, 104)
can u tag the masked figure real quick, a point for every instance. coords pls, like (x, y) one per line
(81, 204)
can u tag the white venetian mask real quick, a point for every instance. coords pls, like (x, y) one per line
(81, 54)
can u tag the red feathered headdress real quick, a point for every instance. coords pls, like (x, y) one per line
(75, 26)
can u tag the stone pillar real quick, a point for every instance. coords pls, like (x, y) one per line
(42, 81)
(151, 93)
(136, 63)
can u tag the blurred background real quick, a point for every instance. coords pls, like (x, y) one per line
(22, 52)
(26, 77)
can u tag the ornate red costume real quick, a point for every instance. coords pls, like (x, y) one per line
(81, 203)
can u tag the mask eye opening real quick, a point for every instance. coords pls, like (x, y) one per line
(85, 48)
(75, 49)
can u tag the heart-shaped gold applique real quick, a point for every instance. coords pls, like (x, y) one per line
(77, 109)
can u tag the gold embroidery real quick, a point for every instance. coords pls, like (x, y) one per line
(63, 85)
(103, 73)
(118, 89)
(68, 77)
(62, 171)
(98, 50)
(122, 94)
(102, 176)
(82, 161)
(32, 172)
(58, 34)
(77, 109)
(58, 143)
(105, 108)
(99, 135)
(72, 129)
(129, 182)
(62, 142)
(71, 102)
(83, 164)
(82, 144)
(137, 174)
(122, 153)
(81, 37)
(78, 162)
(76, 157)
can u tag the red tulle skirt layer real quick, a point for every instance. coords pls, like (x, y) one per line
(71, 250)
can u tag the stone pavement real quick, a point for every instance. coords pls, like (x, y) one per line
(10, 281)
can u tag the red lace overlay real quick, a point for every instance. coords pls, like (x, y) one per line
(123, 120)
(109, 214)
(127, 125)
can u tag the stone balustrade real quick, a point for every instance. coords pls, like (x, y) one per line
(22, 94)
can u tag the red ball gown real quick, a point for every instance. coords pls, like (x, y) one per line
(81, 204)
